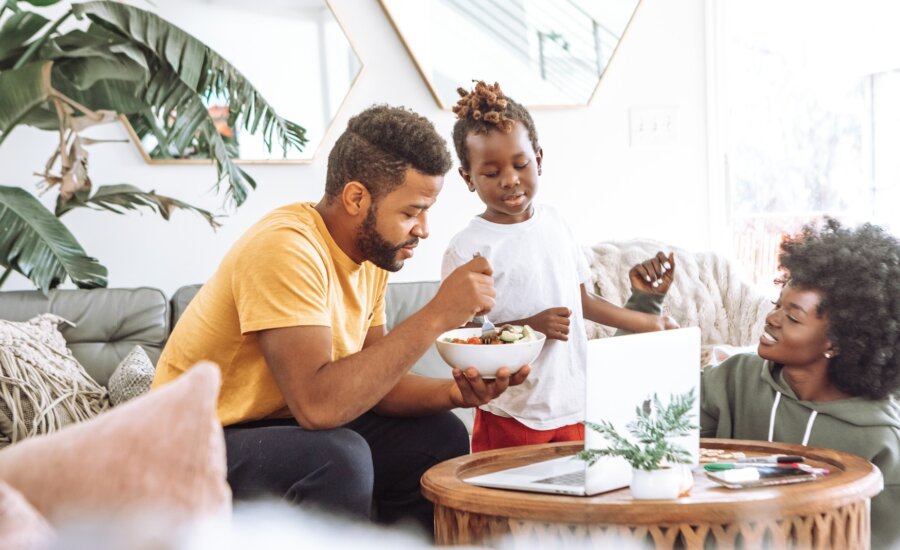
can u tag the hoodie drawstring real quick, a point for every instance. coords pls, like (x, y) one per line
(809, 423)
(772, 416)
(812, 418)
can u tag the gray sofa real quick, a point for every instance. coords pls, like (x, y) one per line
(108, 322)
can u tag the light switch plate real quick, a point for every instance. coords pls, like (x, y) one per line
(653, 126)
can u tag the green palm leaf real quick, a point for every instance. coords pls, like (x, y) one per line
(96, 41)
(36, 244)
(127, 61)
(101, 84)
(42, 117)
(84, 73)
(201, 73)
(171, 94)
(21, 91)
(17, 30)
(122, 197)
(41, 3)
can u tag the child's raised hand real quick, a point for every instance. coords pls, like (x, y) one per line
(654, 275)
(553, 322)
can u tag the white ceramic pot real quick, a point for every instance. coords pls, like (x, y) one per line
(663, 484)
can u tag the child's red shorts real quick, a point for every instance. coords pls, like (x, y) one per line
(496, 432)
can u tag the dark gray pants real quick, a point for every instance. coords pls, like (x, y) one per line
(370, 467)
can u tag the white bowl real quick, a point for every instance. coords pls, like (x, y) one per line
(488, 359)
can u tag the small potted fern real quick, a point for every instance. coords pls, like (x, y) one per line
(660, 468)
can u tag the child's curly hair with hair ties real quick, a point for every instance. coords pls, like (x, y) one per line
(487, 108)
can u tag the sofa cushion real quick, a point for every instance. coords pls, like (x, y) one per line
(132, 377)
(109, 322)
(181, 299)
(401, 301)
(163, 450)
(42, 386)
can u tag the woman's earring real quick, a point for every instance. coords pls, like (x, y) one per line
(828, 355)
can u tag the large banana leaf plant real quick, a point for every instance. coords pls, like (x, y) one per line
(96, 63)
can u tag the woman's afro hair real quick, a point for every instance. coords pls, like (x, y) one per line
(857, 273)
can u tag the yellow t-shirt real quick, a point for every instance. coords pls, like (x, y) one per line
(284, 271)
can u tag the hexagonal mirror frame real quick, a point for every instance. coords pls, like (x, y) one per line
(328, 73)
(542, 52)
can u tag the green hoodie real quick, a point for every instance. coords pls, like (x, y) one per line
(737, 400)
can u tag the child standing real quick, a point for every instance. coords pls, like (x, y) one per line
(539, 273)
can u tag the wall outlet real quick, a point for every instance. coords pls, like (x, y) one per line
(653, 126)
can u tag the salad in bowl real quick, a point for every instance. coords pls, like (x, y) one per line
(511, 346)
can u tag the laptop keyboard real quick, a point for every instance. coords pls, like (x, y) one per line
(574, 479)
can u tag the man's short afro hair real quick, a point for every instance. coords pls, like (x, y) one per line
(379, 145)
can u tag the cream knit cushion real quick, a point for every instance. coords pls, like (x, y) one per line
(42, 387)
(21, 527)
(132, 377)
(708, 291)
(164, 450)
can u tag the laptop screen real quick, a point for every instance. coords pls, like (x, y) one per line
(623, 371)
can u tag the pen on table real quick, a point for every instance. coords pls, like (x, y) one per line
(773, 459)
(721, 466)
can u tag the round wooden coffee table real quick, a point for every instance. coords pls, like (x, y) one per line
(831, 512)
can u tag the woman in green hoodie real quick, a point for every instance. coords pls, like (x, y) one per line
(827, 370)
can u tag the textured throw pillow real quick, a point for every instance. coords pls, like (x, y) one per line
(164, 450)
(20, 524)
(42, 386)
(132, 377)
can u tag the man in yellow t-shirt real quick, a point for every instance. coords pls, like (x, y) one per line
(317, 402)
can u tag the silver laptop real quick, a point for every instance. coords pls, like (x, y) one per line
(622, 372)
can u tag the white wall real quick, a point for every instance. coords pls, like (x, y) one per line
(607, 188)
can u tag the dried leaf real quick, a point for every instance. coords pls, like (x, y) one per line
(90, 141)
(94, 118)
(75, 180)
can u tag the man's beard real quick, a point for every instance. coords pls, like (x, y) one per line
(375, 248)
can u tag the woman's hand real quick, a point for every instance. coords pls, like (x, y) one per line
(552, 323)
(663, 322)
(654, 275)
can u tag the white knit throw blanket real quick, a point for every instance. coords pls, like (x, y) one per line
(708, 291)
(42, 386)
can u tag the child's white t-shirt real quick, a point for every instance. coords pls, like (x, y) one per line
(537, 265)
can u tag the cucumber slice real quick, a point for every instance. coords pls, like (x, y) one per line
(508, 336)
